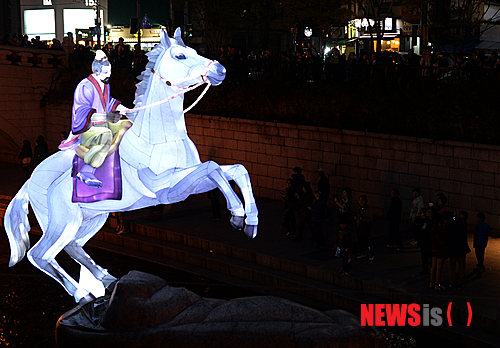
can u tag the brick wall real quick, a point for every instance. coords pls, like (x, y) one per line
(368, 163)
(372, 164)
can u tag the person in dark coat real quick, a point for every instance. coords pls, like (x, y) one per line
(364, 220)
(26, 155)
(481, 232)
(344, 242)
(427, 218)
(394, 217)
(305, 210)
(439, 248)
(291, 198)
(458, 248)
(214, 196)
(323, 184)
(317, 217)
(41, 151)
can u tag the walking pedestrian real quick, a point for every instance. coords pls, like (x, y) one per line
(364, 220)
(458, 249)
(481, 232)
(394, 217)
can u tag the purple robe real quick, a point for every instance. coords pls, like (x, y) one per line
(90, 99)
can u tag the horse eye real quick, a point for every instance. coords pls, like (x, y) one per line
(180, 56)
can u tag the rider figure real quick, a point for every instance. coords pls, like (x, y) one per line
(96, 116)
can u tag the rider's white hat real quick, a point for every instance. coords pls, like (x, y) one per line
(100, 56)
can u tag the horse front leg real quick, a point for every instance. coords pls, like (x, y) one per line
(203, 178)
(240, 175)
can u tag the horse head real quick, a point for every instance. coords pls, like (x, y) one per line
(181, 66)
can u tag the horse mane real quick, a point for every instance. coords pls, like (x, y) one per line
(145, 76)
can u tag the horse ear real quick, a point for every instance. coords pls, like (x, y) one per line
(165, 40)
(178, 38)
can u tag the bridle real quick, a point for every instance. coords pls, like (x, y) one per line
(182, 90)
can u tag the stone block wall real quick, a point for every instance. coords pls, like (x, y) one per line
(21, 90)
(372, 164)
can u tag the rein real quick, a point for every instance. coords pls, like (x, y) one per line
(182, 89)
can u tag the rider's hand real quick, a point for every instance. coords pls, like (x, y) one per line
(113, 117)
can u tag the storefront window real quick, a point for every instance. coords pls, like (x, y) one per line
(79, 18)
(391, 44)
(40, 23)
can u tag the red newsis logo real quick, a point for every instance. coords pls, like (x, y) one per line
(395, 314)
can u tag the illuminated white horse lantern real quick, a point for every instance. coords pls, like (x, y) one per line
(160, 165)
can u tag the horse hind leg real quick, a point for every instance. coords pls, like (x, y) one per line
(206, 177)
(42, 255)
(75, 250)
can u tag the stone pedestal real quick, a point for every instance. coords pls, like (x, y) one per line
(144, 311)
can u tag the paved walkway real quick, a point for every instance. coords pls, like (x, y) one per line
(389, 270)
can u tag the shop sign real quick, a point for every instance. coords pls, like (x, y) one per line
(410, 13)
(407, 29)
(338, 33)
(388, 24)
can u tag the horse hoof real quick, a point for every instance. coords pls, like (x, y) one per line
(85, 299)
(251, 231)
(237, 222)
(109, 282)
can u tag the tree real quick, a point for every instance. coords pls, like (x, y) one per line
(321, 15)
(377, 10)
(214, 18)
(462, 23)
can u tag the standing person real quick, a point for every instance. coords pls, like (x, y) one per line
(26, 156)
(214, 196)
(40, 152)
(481, 232)
(305, 210)
(441, 201)
(364, 220)
(291, 199)
(394, 217)
(416, 207)
(439, 248)
(298, 179)
(317, 217)
(63, 136)
(458, 249)
(344, 242)
(324, 189)
(323, 184)
(344, 206)
(427, 218)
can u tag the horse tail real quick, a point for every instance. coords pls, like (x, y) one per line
(17, 225)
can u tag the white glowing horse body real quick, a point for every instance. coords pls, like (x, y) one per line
(160, 165)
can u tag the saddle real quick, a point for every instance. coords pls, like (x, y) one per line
(109, 173)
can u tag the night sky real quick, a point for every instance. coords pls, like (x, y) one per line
(120, 11)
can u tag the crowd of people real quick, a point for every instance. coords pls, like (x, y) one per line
(438, 233)
(121, 55)
(404, 69)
